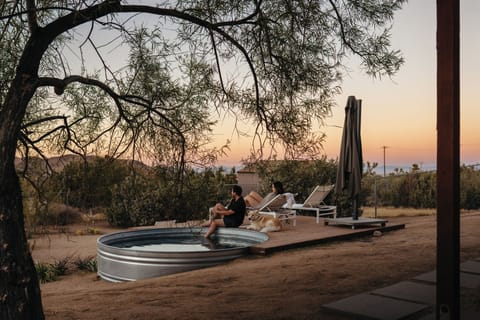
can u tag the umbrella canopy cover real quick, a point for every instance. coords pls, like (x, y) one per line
(350, 164)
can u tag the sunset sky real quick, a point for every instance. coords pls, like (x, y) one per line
(400, 113)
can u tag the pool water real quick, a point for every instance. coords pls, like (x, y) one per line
(176, 244)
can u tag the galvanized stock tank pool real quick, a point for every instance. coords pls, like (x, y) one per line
(149, 253)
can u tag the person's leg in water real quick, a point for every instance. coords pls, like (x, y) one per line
(213, 226)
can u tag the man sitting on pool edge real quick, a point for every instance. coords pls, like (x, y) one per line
(233, 214)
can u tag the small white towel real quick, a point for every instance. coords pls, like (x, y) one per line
(290, 200)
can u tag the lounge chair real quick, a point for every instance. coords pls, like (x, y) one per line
(279, 207)
(257, 200)
(314, 202)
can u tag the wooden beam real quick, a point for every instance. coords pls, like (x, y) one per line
(448, 160)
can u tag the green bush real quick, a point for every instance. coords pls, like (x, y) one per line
(87, 184)
(417, 189)
(139, 201)
(123, 197)
(469, 188)
(142, 197)
(299, 177)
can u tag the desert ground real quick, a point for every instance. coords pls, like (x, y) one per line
(292, 284)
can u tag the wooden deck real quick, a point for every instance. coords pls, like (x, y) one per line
(307, 232)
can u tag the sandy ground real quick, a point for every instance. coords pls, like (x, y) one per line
(293, 284)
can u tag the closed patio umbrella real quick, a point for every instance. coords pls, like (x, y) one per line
(350, 164)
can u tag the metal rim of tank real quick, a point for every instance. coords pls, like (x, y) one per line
(117, 264)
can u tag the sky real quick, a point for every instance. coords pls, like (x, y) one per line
(399, 113)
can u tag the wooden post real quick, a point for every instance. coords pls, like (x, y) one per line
(448, 160)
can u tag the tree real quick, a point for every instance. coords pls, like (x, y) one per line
(179, 69)
(87, 184)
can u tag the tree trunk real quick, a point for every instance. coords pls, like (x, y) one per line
(20, 296)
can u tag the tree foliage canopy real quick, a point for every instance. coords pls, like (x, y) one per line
(125, 70)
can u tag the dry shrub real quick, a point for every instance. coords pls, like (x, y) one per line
(61, 214)
(88, 231)
(92, 218)
(385, 212)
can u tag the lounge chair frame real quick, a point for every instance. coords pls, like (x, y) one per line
(277, 208)
(314, 202)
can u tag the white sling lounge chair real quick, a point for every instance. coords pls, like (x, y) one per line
(279, 207)
(314, 202)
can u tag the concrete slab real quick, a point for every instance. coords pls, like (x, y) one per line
(467, 280)
(464, 315)
(413, 299)
(469, 314)
(409, 291)
(369, 306)
(430, 316)
(349, 221)
(470, 266)
(430, 277)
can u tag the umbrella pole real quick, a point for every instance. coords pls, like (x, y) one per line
(355, 208)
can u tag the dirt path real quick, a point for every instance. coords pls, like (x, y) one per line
(287, 285)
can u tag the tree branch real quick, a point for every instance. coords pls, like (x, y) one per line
(209, 26)
(342, 30)
(60, 86)
(32, 16)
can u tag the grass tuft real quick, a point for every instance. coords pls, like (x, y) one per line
(45, 272)
(48, 272)
(60, 267)
(86, 264)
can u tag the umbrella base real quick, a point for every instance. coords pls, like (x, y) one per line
(350, 221)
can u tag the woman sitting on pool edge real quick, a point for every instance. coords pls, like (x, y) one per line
(233, 214)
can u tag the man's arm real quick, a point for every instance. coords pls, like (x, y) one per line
(226, 212)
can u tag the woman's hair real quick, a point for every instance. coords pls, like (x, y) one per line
(278, 186)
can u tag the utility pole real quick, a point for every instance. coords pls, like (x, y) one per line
(384, 162)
